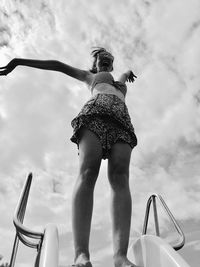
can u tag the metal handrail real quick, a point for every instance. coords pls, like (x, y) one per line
(20, 211)
(21, 230)
(151, 199)
(47, 246)
(27, 243)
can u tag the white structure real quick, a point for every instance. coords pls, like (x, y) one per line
(152, 251)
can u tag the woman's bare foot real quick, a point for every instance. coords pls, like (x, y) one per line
(82, 261)
(122, 261)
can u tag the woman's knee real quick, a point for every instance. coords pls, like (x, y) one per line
(119, 179)
(88, 176)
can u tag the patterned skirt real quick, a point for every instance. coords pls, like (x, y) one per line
(107, 116)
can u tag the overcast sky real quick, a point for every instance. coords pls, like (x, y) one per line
(159, 40)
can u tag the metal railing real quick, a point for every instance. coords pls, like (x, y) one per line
(152, 199)
(25, 235)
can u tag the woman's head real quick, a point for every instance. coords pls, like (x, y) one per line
(103, 60)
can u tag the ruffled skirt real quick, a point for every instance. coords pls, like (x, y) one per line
(107, 116)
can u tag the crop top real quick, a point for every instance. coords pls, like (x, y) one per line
(103, 83)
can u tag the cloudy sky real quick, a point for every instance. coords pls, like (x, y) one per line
(159, 40)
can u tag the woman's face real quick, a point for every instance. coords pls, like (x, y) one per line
(104, 62)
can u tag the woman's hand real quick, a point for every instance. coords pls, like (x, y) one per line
(131, 76)
(9, 67)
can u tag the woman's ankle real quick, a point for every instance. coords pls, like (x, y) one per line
(82, 256)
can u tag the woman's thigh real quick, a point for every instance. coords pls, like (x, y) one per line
(90, 150)
(119, 160)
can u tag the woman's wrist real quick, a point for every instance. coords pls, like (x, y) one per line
(128, 73)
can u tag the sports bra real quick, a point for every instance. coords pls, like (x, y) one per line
(105, 77)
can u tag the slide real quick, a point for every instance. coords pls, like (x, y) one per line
(152, 251)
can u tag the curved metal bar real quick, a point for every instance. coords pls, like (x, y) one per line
(26, 242)
(25, 231)
(168, 212)
(20, 211)
(47, 255)
(18, 219)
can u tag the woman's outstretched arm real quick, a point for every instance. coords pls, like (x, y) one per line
(54, 65)
(128, 76)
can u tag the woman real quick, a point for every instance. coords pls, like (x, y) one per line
(102, 130)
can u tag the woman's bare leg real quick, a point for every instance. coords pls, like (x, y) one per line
(118, 174)
(90, 154)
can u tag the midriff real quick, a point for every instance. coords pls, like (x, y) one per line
(105, 88)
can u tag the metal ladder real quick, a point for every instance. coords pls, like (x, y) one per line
(46, 242)
(152, 199)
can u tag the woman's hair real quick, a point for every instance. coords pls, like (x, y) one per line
(95, 54)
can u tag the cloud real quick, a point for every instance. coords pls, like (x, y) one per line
(21, 23)
(195, 245)
(5, 36)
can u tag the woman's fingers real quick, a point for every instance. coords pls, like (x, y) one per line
(132, 77)
(3, 72)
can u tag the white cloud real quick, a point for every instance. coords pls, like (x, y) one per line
(194, 244)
